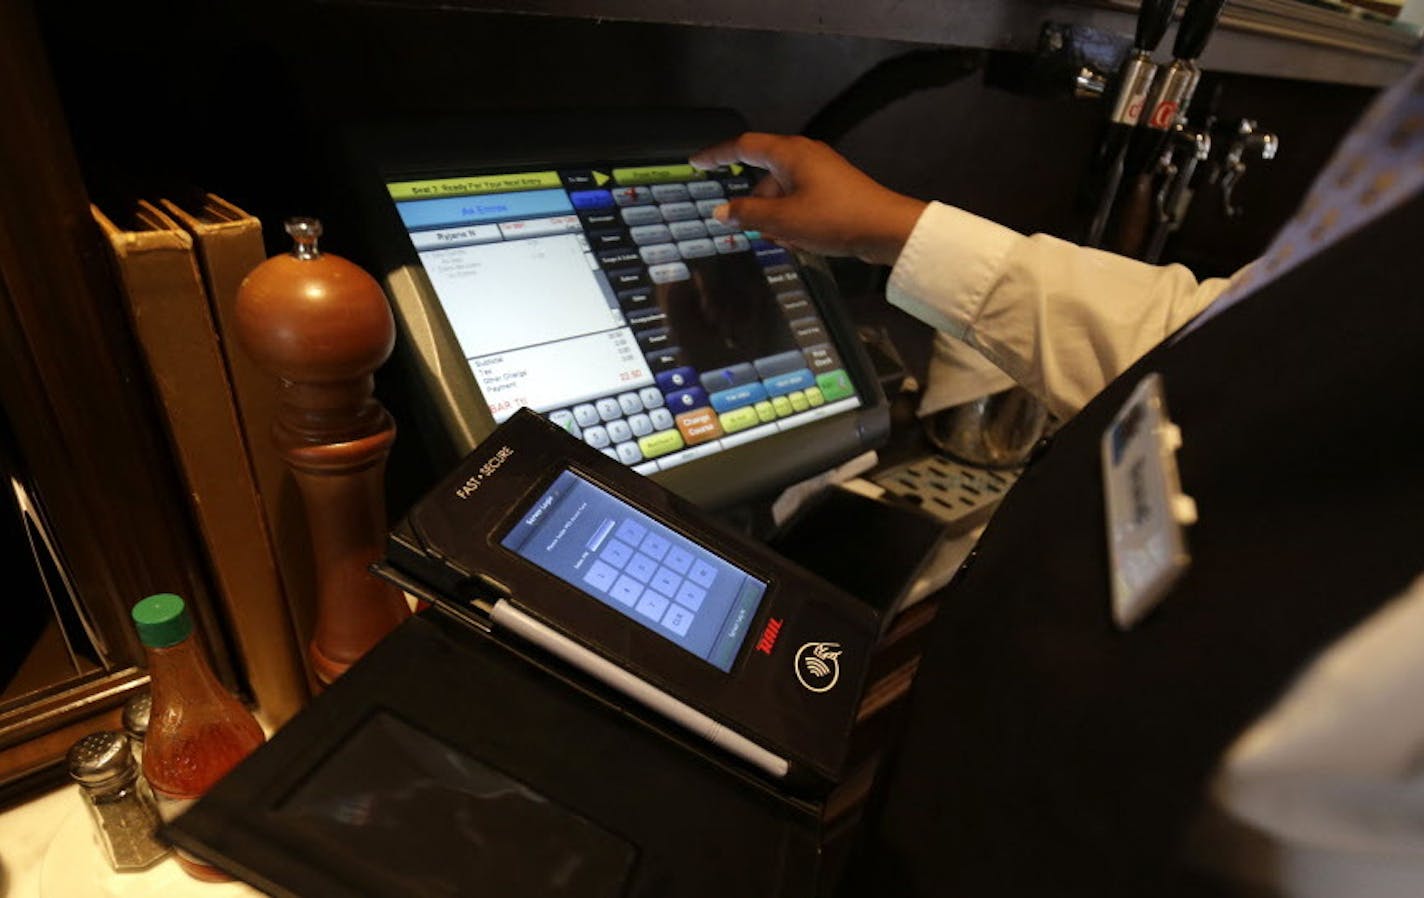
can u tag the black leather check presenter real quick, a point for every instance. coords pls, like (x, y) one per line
(537, 535)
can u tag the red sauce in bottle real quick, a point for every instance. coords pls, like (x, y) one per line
(197, 730)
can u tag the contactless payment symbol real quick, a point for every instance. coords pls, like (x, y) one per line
(818, 665)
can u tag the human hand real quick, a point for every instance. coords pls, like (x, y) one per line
(814, 199)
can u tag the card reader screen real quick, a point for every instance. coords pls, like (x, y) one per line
(640, 568)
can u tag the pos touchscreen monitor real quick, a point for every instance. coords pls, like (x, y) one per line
(571, 263)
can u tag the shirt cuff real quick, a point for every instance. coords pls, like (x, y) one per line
(948, 266)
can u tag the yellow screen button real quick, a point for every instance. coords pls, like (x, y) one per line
(512, 183)
(656, 444)
(739, 419)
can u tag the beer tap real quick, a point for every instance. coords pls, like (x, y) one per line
(1174, 197)
(1134, 81)
(1171, 95)
(1247, 139)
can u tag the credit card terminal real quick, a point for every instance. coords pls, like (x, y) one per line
(540, 536)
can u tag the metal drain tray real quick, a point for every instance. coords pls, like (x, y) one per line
(958, 494)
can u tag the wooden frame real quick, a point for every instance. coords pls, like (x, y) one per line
(74, 389)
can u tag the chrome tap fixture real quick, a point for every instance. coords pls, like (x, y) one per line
(1247, 141)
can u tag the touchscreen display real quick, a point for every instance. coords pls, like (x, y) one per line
(638, 567)
(609, 299)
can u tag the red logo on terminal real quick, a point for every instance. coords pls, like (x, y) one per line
(768, 636)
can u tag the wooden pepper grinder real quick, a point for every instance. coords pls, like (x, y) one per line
(321, 326)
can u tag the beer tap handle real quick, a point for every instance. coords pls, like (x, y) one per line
(1153, 17)
(1198, 21)
(1134, 83)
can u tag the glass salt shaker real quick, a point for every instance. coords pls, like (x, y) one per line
(136, 711)
(118, 800)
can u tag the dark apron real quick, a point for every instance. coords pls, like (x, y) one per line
(1046, 752)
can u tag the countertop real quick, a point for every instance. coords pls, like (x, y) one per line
(48, 849)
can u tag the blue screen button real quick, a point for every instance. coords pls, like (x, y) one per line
(450, 211)
(782, 384)
(736, 397)
(686, 400)
(591, 199)
(676, 379)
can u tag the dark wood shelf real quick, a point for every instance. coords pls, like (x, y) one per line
(1277, 38)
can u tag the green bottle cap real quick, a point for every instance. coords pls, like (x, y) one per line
(162, 620)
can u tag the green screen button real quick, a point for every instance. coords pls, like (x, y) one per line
(835, 385)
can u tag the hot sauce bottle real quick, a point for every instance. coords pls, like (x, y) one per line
(197, 730)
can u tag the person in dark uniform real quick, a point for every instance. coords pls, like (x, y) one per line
(1261, 730)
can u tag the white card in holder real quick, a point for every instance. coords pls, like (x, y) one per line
(1147, 512)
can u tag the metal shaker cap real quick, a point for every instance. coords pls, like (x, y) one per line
(101, 759)
(136, 711)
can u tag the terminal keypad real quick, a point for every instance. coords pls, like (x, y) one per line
(642, 570)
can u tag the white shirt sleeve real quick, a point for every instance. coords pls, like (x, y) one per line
(1059, 319)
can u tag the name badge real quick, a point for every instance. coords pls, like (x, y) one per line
(1147, 512)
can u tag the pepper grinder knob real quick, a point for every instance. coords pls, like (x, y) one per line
(304, 233)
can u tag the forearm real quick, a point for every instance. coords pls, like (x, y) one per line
(1060, 319)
